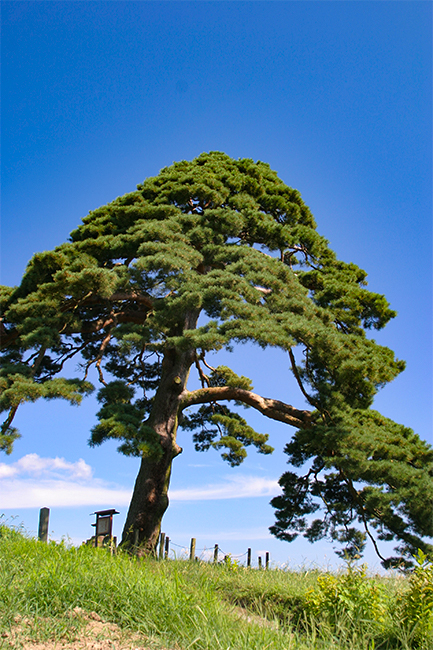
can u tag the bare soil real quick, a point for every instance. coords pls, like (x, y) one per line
(93, 634)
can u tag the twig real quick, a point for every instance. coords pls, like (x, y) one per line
(299, 382)
(355, 494)
(205, 363)
(203, 378)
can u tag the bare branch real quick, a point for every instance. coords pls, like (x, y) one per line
(203, 377)
(355, 495)
(263, 290)
(206, 364)
(299, 382)
(271, 408)
(38, 360)
(101, 376)
(62, 360)
(98, 359)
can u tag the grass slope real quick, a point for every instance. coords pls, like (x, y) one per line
(197, 606)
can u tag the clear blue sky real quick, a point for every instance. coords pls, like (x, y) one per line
(335, 96)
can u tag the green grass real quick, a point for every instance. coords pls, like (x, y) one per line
(197, 606)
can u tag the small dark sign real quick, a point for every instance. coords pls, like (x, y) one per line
(104, 523)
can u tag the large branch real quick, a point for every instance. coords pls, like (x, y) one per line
(271, 408)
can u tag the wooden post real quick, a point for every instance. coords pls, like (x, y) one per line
(44, 517)
(260, 561)
(215, 554)
(267, 560)
(192, 549)
(161, 546)
(167, 547)
(249, 557)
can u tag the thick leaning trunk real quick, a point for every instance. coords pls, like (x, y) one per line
(150, 497)
(148, 504)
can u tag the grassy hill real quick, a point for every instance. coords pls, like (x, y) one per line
(50, 592)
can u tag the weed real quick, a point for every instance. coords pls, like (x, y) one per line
(415, 604)
(352, 596)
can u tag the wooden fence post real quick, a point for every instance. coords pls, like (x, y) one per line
(192, 549)
(167, 546)
(161, 546)
(249, 557)
(260, 561)
(215, 553)
(267, 560)
(44, 517)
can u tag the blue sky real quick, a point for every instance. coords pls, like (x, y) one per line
(335, 96)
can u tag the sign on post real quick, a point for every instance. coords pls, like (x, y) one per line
(104, 524)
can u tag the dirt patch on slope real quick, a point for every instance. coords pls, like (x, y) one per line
(92, 634)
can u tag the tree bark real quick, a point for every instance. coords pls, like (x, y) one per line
(148, 504)
(150, 496)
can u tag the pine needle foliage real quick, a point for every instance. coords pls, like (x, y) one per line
(227, 242)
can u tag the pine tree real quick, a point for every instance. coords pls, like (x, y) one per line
(227, 242)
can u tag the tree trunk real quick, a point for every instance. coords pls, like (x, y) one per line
(150, 497)
(148, 504)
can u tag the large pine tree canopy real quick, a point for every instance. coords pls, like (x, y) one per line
(207, 254)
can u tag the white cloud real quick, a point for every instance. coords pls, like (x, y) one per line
(34, 465)
(233, 488)
(28, 493)
(7, 470)
(35, 482)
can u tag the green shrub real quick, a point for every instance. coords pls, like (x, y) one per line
(352, 596)
(415, 604)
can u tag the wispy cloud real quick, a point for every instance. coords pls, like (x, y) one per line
(237, 534)
(232, 488)
(33, 482)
